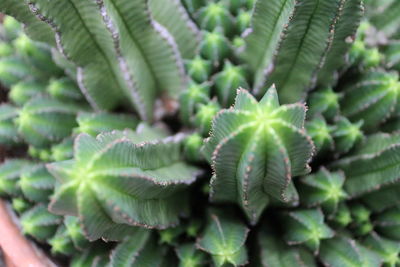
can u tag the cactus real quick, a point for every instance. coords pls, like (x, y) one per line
(160, 188)
(389, 250)
(306, 227)
(346, 135)
(198, 69)
(372, 166)
(373, 99)
(36, 121)
(244, 138)
(324, 102)
(190, 256)
(224, 240)
(321, 134)
(323, 189)
(222, 176)
(11, 171)
(215, 47)
(95, 123)
(37, 184)
(22, 92)
(354, 254)
(227, 81)
(190, 100)
(274, 252)
(388, 223)
(216, 15)
(8, 131)
(39, 223)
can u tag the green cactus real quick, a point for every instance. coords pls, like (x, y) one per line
(353, 254)
(140, 249)
(215, 15)
(63, 150)
(37, 184)
(8, 131)
(321, 134)
(22, 92)
(95, 123)
(20, 205)
(388, 223)
(215, 47)
(198, 69)
(85, 189)
(247, 136)
(204, 116)
(37, 120)
(190, 100)
(324, 102)
(75, 232)
(192, 146)
(61, 243)
(39, 223)
(274, 252)
(306, 227)
(372, 166)
(64, 89)
(10, 172)
(12, 70)
(346, 135)
(323, 189)
(342, 217)
(373, 99)
(388, 250)
(224, 239)
(190, 256)
(228, 81)
(37, 54)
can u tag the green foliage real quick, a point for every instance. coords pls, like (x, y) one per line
(224, 239)
(344, 252)
(373, 98)
(39, 223)
(246, 137)
(306, 227)
(219, 176)
(96, 123)
(323, 189)
(8, 131)
(37, 120)
(141, 191)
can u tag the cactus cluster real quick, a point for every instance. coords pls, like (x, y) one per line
(203, 133)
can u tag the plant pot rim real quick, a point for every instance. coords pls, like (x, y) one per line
(18, 250)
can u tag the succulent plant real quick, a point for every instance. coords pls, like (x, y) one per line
(8, 131)
(191, 99)
(215, 47)
(324, 189)
(228, 81)
(22, 92)
(321, 134)
(307, 227)
(95, 123)
(224, 240)
(373, 98)
(354, 254)
(246, 137)
(36, 120)
(37, 184)
(39, 223)
(215, 15)
(139, 190)
(126, 121)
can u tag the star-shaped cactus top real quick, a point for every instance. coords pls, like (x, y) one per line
(123, 178)
(255, 149)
